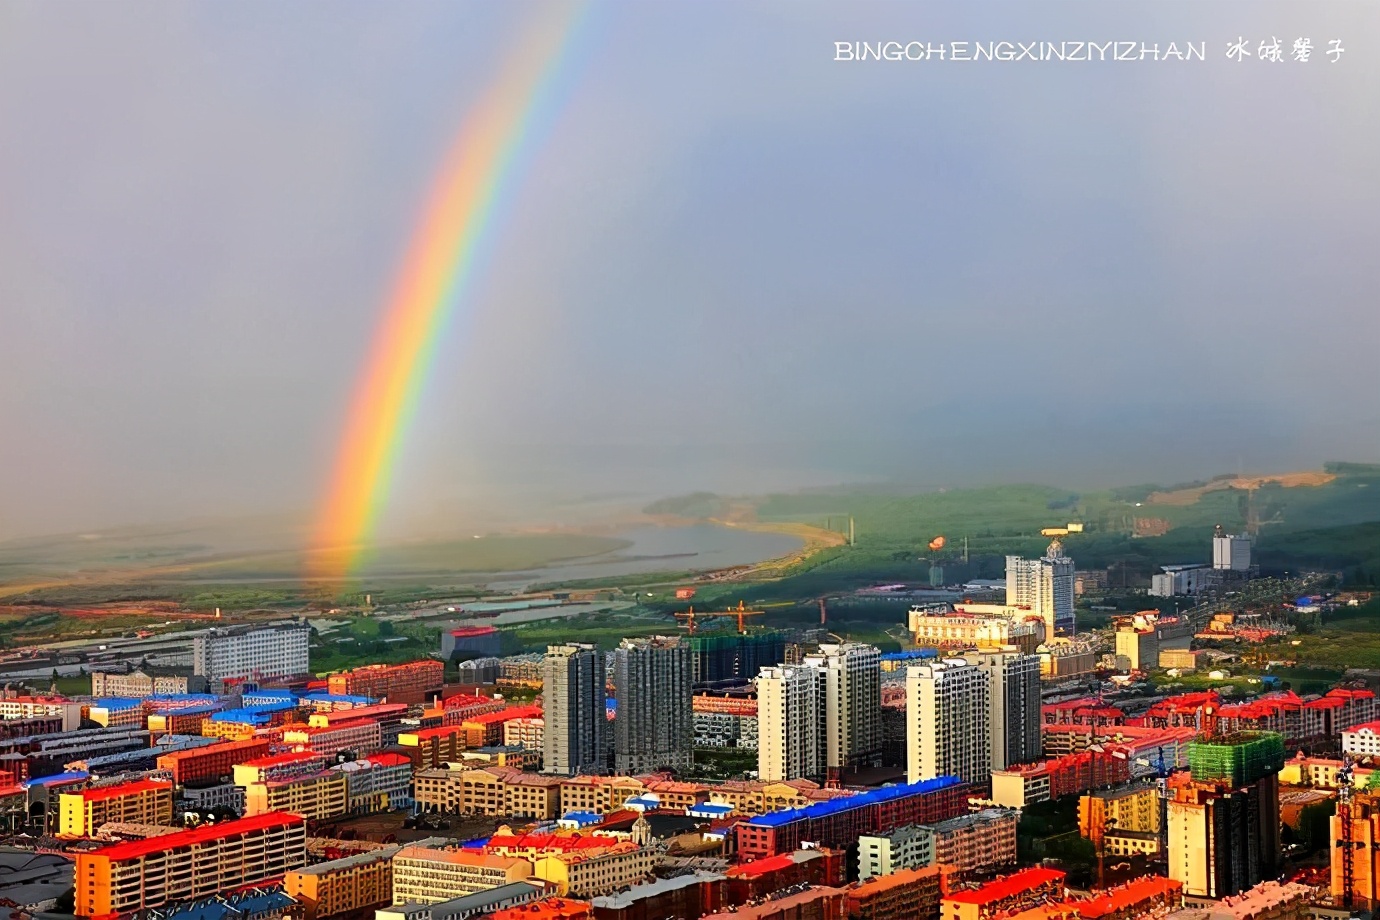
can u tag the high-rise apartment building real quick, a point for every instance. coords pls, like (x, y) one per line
(254, 653)
(948, 713)
(1014, 705)
(719, 656)
(791, 739)
(852, 674)
(1045, 585)
(574, 738)
(654, 723)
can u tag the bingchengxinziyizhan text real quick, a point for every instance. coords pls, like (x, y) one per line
(1239, 49)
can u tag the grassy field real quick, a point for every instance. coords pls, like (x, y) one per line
(363, 640)
(1333, 524)
(1347, 638)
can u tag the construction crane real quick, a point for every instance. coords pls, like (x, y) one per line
(1162, 772)
(738, 613)
(1347, 842)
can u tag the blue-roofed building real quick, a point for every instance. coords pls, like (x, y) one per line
(177, 700)
(914, 654)
(270, 700)
(841, 821)
(711, 811)
(266, 904)
(58, 779)
(575, 820)
(329, 701)
(255, 716)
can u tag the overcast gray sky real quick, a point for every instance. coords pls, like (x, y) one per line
(734, 263)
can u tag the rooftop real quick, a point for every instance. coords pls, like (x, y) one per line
(874, 796)
(458, 857)
(349, 862)
(1009, 885)
(134, 849)
(101, 793)
(623, 900)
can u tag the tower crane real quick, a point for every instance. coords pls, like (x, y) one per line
(738, 613)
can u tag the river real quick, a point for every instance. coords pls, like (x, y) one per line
(693, 547)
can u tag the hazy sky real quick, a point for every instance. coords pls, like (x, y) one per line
(735, 263)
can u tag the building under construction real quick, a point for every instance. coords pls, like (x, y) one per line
(720, 657)
(1223, 823)
(1236, 760)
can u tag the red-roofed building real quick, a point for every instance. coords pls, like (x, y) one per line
(187, 865)
(465, 642)
(1086, 711)
(1133, 899)
(486, 729)
(759, 878)
(279, 766)
(359, 736)
(212, 762)
(546, 909)
(1026, 784)
(530, 846)
(1006, 895)
(432, 747)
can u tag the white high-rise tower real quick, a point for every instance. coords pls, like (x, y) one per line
(1044, 585)
(791, 740)
(948, 721)
(852, 674)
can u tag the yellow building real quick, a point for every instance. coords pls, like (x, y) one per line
(757, 798)
(1060, 658)
(429, 876)
(355, 883)
(532, 796)
(598, 794)
(1130, 808)
(145, 801)
(1130, 843)
(1140, 647)
(315, 796)
(1320, 773)
(586, 876)
(230, 731)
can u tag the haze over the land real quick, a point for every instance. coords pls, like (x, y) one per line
(735, 264)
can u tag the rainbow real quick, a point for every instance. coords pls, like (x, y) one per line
(479, 171)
